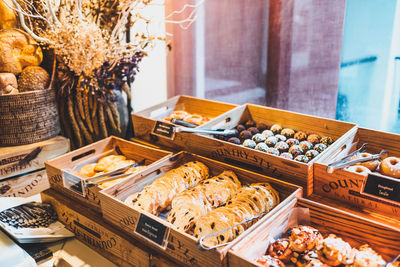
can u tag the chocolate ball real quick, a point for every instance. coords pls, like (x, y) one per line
(253, 130)
(301, 158)
(287, 132)
(258, 138)
(271, 141)
(250, 123)
(261, 147)
(301, 136)
(245, 135)
(267, 133)
(261, 127)
(276, 128)
(281, 137)
(249, 143)
(326, 140)
(240, 128)
(320, 147)
(314, 139)
(305, 145)
(286, 155)
(292, 142)
(310, 154)
(282, 146)
(234, 140)
(295, 150)
(273, 151)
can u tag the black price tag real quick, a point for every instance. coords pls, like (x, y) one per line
(164, 129)
(73, 183)
(382, 187)
(152, 230)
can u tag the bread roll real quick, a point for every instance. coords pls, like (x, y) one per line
(8, 18)
(33, 78)
(8, 83)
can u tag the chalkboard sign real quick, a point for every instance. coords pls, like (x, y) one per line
(164, 129)
(73, 183)
(152, 230)
(382, 187)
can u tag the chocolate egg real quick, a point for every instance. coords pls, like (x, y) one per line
(253, 130)
(249, 143)
(258, 138)
(305, 145)
(271, 141)
(314, 139)
(282, 146)
(326, 140)
(245, 135)
(250, 123)
(267, 133)
(287, 132)
(280, 137)
(301, 158)
(301, 136)
(320, 147)
(295, 150)
(234, 140)
(292, 142)
(273, 151)
(240, 128)
(276, 128)
(310, 154)
(286, 155)
(261, 147)
(261, 127)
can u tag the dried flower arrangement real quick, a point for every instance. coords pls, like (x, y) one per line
(94, 58)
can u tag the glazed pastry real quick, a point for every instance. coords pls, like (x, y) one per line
(178, 114)
(250, 123)
(295, 150)
(310, 154)
(267, 133)
(282, 146)
(367, 257)
(301, 158)
(292, 142)
(268, 261)
(326, 140)
(245, 135)
(320, 147)
(362, 170)
(276, 128)
(334, 251)
(249, 143)
(106, 161)
(305, 145)
(371, 165)
(286, 155)
(287, 132)
(280, 249)
(273, 151)
(314, 139)
(88, 170)
(391, 167)
(303, 238)
(281, 137)
(259, 138)
(195, 119)
(308, 258)
(240, 128)
(301, 136)
(234, 140)
(262, 127)
(253, 130)
(271, 141)
(261, 147)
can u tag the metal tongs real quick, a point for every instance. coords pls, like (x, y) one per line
(345, 162)
(205, 131)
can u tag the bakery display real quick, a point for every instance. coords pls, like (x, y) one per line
(276, 140)
(188, 117)
(305, 246)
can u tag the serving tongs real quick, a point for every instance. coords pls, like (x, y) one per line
(206, 131)
(346, 161)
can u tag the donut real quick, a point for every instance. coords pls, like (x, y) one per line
(178, 114)
(195, 119)
(371, 165)
(391, 167)
(359, 169)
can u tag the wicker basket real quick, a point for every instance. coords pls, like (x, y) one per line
(29, 117)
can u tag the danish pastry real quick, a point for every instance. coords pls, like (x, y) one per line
(106, 161)
(303, 238)
(367, 257)
(334, 251)
(268, 261)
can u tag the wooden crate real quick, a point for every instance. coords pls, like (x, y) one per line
(25, 185)
(344, 188)
(288, 170)
(90, 228)
(180, 246)
(145, 120)
(352, 228)
(18, 160)
(60, 175)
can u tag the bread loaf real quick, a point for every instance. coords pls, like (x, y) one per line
(8, 18)
(33, 78)
(8, 83)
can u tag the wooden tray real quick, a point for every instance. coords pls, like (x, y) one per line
(288, 170)
(145, 120)
(353, 229)
(60, 178)
(90, 228)
(343, 186)
(180, 246)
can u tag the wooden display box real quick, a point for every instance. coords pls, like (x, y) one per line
(61, 175)
(145, 120)
(289, 170)
(179, 245)
(351, 228)
(343, 187)
(90, 228)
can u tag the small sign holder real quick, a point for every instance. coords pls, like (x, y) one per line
(153, 231)
(382, 187)
(164, 130)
